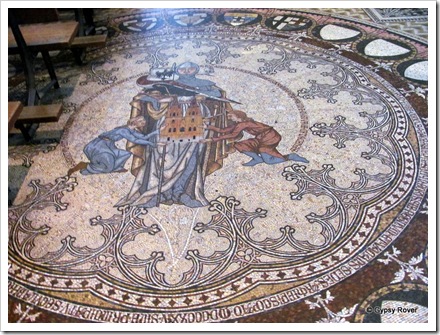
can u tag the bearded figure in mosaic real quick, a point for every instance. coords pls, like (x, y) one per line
(177, 103)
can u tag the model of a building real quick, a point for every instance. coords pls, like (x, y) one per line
(183, 123)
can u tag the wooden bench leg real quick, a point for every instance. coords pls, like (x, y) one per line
(50, 69)
(33, 96)
(24, 130)
(79, 55)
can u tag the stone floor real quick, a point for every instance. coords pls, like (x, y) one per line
(337, 233)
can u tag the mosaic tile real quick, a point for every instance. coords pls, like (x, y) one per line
(301, 213)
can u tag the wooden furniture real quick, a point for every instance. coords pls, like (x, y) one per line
(39, 37)
(19, 115)
(45, 36)
(30, 115)
(89, 41)
(80, 43)
(14, 110)
(40, 114)
(30, 39)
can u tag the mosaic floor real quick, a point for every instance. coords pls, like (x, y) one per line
(309, 207)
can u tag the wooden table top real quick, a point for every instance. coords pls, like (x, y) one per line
(14, 110)
(46, 36)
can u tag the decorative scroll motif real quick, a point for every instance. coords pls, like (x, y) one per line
(157, 58)
(420, 91)
(219, 53)
(69, 107)
(101, 75)
(284, 63)
(388, 66)
(409, 268)
(345, 80)
(236, 225)
(26, 313)
(122, 227)
(26, 153)
(332, 317)
(424, 206)
(375, 133)
(341, 48)
(229, 222)
(41, 197)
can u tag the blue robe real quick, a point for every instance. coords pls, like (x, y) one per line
(103, 154)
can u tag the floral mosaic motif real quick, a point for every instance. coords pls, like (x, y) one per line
(100, 74)
(279, 64)
(286, 57)
(424, 206)
(41, 197)
(342, 132)
(297, 36)
(409, 268)
(69, 107)
(320, 183)
(340, 48)
(116, 230)
(388, 66)
(229, 221)
(25, 313)
(344, 81)
(158, 58)
(219, 53)
(375, 133)
(420, 91)
(26, 153)
(319, 301)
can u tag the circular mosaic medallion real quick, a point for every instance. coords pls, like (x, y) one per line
(415, 70)
(140, 24)
(288, 23)
(337, 33)
(190, 19)
(199, 231)
(237, 18)
(384, 48)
